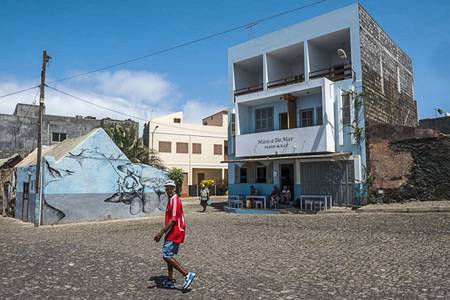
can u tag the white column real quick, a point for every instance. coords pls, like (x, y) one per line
(306, 57)
(297, 172)
(265, 72)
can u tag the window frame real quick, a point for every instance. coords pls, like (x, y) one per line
(241, 176)
(215, 147)
(264, 115)
(194, 150)
(346, 110)
(318, 116)
(60, 136)
(179, 146)
(257, 178)
(311, 110)
(165, 143)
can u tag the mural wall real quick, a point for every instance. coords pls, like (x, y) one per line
(95, 181)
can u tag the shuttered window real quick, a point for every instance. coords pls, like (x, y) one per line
(182, 148)
(165, 146)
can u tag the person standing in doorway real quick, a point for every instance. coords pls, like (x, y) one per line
(204, 197)
(174, 233)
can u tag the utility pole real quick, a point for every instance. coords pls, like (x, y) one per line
(38, 182)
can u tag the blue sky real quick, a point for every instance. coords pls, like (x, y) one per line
(85, 35)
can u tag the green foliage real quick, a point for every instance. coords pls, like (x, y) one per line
(176, 175)
(207, 182)
(133, 148)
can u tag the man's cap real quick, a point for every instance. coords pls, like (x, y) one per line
(170, 183)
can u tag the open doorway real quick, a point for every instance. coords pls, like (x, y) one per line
(287, 178)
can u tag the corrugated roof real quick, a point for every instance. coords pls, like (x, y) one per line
(30, 159)
(61, 149)
(58, 151)
(4, 161)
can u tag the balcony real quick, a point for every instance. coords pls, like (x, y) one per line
(334, 73)
(248, 76)
(248, 90)
(286, 66)
(324, 60)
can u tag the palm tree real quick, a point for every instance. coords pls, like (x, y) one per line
(133, 148)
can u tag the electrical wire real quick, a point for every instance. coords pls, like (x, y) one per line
(113, 110)
(19, 91)
(181, 45)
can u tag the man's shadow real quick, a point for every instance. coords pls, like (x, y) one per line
(157, 282)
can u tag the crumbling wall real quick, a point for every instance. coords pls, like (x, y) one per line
(408, 163)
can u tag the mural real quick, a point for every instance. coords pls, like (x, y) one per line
(94, 180)
(131, 189)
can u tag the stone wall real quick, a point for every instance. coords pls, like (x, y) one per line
(19, 130)
(442, 124)
(387, 77)
(408, 163)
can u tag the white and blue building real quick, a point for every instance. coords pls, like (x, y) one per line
(296, 116)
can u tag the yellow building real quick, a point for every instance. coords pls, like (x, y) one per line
(197, 149)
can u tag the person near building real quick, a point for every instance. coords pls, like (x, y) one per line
(274, 197)
(204, 196)
(286, 194)
(174, 233)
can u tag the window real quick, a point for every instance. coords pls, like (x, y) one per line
(346, 118)
(225, 149)
(165, 147)
(261, 174)
(283, 121)
(319, 118)
(242, 175)
(264, 119)
(233, 124)
(182, 148)
(306, 117)
(176, 120)
(217, 149)
(196, 148)
(58, 137)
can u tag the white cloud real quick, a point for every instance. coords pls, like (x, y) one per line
(137, 93)
(141, 86)
(194, 110)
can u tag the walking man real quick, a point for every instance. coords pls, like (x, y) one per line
(204, 197)
(174, 231)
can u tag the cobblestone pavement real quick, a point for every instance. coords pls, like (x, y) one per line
(338, 256)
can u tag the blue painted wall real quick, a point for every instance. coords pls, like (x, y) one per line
(96, 181)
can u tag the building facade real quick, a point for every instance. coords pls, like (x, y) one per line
(19, 130)
(199, 150)
(302, 98)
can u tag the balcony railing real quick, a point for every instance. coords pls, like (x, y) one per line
(286, 81)
(248, 90)
(334, 73)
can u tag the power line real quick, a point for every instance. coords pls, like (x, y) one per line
(18, 92)
(113, 110)
(181, 45)
(93, 103)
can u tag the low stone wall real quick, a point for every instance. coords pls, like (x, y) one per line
(408, 163)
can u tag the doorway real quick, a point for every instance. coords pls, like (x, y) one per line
(25, 201)
(287, 177)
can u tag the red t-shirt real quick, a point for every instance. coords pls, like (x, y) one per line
(174, 211)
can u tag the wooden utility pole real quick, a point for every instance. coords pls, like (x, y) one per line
(38, 182)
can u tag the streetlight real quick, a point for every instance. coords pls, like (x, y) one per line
(153, 134)
(343, 55)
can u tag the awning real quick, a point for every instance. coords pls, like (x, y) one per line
(309, 156)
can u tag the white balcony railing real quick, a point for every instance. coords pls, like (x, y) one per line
(289, 141)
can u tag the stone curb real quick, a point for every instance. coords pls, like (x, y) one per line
(404, 210)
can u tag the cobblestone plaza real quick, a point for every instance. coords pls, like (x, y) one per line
(293, 256)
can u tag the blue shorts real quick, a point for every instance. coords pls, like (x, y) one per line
(170, 249)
